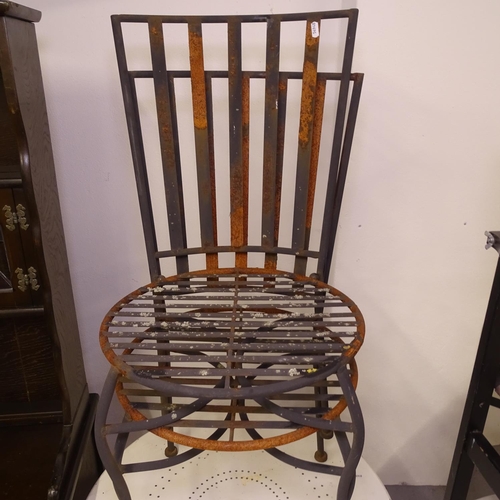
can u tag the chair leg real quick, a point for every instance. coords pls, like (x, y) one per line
(321, 455)
(348, 476)
(171, 450)
(103, 448)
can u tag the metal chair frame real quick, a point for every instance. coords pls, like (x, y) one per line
(276, 347)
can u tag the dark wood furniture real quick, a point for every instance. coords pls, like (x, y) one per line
(46, 412)
(241, 349)
(473, 449)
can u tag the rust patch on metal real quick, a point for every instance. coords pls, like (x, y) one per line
(237, 236)
(316, 139)
(308, 86)
(197, 76)
(307, 103)
(212, 261)
(310, 40)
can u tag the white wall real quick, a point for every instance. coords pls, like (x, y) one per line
(422, 189)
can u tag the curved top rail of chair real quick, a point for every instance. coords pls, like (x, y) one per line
(232, 334)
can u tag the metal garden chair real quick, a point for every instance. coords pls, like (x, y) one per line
(240, 356)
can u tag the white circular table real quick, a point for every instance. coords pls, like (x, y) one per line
(241, 476)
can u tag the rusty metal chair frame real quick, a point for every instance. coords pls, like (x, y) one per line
(275, 347)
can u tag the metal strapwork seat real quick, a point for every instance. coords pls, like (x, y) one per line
(240, 150)
(233, 336)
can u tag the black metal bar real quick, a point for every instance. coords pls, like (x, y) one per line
(305, 420)
(297, 398)
(137, 148)
(282, 360)
(342, 175)
(495, 402)
(230, 393)
(166, 462)
(486, 459)
(168, 143)
(140, 18)
(479, 395)
(171, 461)
(245, 248)
(211, 336)
(348, 476)
(344, 445)
(153, 423)
(270, 139)
(121, 443)
(317, 125)
(294, 461)
(143, 301)
(235, 132)
(111, 465)
(271, 346)
(286, 75)
(282, 101)
(211, 153)
(326, 243)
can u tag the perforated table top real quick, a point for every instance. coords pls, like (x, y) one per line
(242, 476)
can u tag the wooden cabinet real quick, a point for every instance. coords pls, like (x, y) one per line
(44, 400)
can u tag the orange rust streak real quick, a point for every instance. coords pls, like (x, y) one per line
(200, 117)
(237, 236)
(197, 77)
(212, 260)
(316, 139)
(308, 88)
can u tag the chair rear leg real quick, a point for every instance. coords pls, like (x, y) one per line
(108, 459)
(348, 476)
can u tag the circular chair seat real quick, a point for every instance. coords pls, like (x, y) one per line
(253, 344)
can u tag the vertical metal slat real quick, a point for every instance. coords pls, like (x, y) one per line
(270, 138)
(235, 133)
(137, 147)
(282, 98)
(171, 170)
(305, 139)
(211, 150)
(203, 141)
(242, 257)
(344, 161)
(319, 100)
(327, 240)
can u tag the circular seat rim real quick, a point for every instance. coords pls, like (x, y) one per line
(175, 389)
